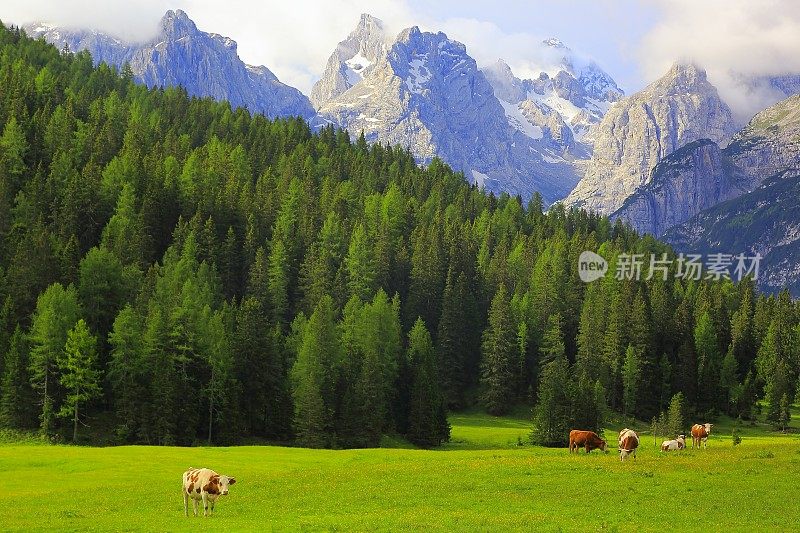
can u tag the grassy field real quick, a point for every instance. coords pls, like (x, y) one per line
(483, 480)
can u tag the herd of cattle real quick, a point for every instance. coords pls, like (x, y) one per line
(629, 441)
(203, 484)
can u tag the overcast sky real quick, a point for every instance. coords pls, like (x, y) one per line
(634, 40)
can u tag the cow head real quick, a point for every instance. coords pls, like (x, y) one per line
(603, 445)
(708, 427)
(224, 483)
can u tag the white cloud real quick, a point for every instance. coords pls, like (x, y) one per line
(140, 17)
(731, 39)
(486, 42)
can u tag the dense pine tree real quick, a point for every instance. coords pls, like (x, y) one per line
(427, 424)
(79, 377)
(499, 353)
(552, 416)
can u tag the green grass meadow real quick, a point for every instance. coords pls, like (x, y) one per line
(481, 481)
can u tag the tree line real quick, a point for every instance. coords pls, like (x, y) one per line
(174, 271)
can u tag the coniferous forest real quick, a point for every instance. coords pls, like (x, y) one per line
(174, 271)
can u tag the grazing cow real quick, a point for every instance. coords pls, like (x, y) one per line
(700, 433)
(206, 485)
(674, 444)
(628, 442)
(588, 439)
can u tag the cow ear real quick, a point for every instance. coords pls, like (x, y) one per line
(231, 480)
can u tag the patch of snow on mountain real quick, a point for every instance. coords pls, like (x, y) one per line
(564, 107)
(356, 66)
(518, 120)
(479, 178)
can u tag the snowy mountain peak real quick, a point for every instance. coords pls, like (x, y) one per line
(419, 56)
(353, 58)
(563, 101)
(554, 43)
(366, 20)
(426, 93)
(177, 23)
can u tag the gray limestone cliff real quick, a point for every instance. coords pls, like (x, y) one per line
(640, 130)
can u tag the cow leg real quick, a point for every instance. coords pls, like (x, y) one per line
(205, 503)
(186, 503)
(194, 506)
(213, 503)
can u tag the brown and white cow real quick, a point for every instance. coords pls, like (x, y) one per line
(628, 442)
(588, 439)
(700, 433)
(206, 485)
(674, 444)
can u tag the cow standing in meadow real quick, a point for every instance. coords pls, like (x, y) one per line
(700, 433)
(628, 442)
(674, 444)
(586, 439)
(206, 485)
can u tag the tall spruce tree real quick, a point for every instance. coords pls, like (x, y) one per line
(427, 419)
(314, 380)
(15, 394)
(499, 354)
(631, 373)
(709, 362)
(552, 416)
(79, 376)
(57, 312)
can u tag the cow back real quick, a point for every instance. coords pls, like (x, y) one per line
(629, 442)
(197, 480)
(628, 435)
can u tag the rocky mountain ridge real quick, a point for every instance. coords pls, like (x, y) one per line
(640, 130)
(205, 64)
(701, 174)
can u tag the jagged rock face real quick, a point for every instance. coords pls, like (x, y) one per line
(580, 97)
(205, 64)
(700, 175)
(507, 87)
(353, 59)
(769, 143)
(554, 129)
(788, 84)
(556, 111)
(639, 130)
(426, 93)
(693, 178)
